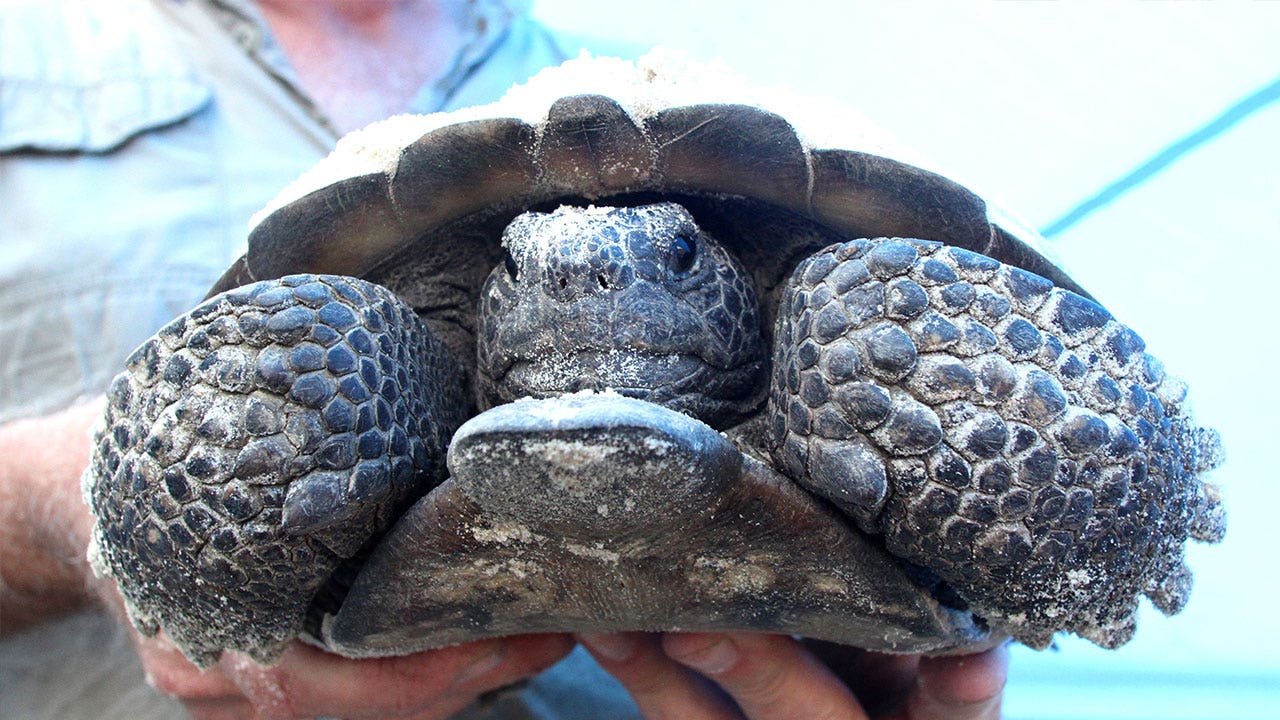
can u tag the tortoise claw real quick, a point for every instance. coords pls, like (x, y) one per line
(602, 513)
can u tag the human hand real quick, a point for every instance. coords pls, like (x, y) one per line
(45, 528)
(44, 532)
(309, 682)
(762, 677)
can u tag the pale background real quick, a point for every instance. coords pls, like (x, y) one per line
(1168, 111)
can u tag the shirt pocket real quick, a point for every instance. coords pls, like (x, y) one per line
(110, 189)
(87, 77)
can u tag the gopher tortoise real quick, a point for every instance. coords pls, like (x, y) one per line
(725, 379)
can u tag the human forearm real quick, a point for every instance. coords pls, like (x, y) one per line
(44, 523)
(44, 533)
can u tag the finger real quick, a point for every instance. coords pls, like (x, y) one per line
(771, 677)
(524, 656)
(171, 673)
(309, 682)
(960, 687)
(238, 709)
(660, 687)
(880, 681)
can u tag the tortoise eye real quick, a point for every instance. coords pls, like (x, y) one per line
(513, 270)
(684, 251)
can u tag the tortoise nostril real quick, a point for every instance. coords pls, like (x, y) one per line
(603, 281)
(563, 283)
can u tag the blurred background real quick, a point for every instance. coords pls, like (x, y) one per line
(1143, 139)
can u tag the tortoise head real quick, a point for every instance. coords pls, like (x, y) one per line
(637, 300)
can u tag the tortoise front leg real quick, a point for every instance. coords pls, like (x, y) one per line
(256, 443)
(1007, 435)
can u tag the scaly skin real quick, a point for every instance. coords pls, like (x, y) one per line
(256, 443)
(636, 300)
(1009, 436)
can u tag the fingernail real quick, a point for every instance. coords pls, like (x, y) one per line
(611, 646)
(713, 656)
(481, 665)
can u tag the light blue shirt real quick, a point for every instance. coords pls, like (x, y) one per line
(136, 139)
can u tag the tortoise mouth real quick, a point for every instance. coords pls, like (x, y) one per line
(635, 373)
(684, 382)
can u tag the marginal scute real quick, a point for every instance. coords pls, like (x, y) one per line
(590, 146)
(865, 195)
(734, 149)
(459, 169)
(1018, 252)
(308, 234)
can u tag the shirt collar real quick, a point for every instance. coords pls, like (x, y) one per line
(486, 23)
